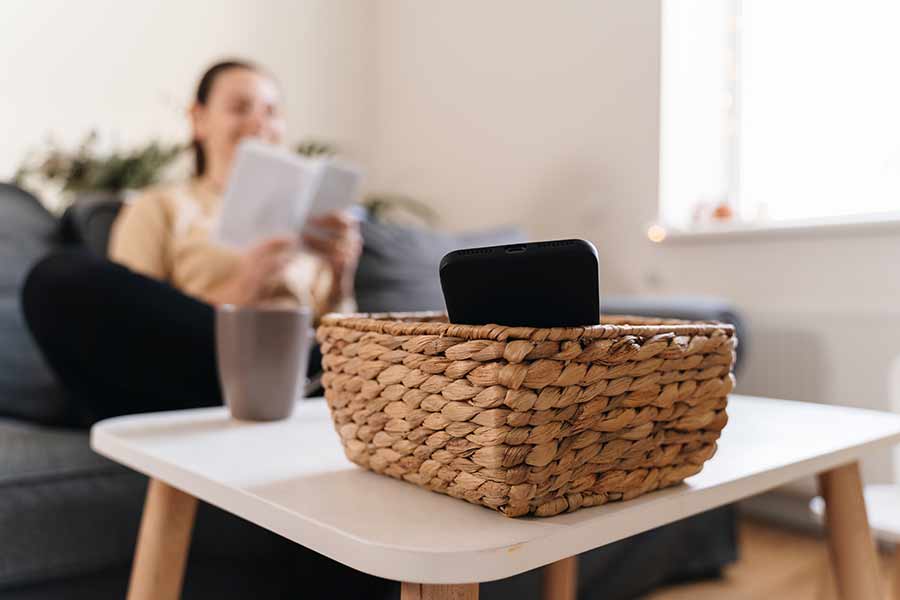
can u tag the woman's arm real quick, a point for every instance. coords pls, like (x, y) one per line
(339, 243)
(140, 237)
(255, 271)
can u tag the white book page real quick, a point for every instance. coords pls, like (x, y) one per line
(269, 194)
(338, 188)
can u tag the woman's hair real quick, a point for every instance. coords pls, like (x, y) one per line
(203, 90)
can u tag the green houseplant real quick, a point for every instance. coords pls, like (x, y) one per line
(86, 169)
(59, 176)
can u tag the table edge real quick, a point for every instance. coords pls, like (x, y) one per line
(470, 565)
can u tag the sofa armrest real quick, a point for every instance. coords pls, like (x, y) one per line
(690, 308)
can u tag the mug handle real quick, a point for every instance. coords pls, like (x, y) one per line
(315, 382)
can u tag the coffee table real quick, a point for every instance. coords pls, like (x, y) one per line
(292, 477)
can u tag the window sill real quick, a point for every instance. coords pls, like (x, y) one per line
(827, 226)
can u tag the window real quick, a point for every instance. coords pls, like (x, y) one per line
(775, 111)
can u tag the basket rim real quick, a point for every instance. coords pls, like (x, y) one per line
(434, 323)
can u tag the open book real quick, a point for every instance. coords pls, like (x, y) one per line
(272, 191)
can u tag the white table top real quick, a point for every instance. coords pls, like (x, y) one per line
(292, 478)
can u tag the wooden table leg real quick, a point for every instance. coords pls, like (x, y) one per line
(421, 591)
(850, 540)
(895, 579)
(162, 545)
(561, 579)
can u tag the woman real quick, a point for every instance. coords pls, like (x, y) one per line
(165, 234)
(137, 334)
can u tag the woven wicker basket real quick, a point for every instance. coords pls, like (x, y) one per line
(526, 420)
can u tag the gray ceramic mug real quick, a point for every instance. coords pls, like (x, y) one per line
(262, 354)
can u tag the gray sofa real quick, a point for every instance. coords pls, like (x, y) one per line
(68, 518)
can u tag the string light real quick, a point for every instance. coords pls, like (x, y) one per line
(656, 233)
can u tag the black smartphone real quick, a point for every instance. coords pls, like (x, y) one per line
(538, 284)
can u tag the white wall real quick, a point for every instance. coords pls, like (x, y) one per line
(543, 114)
(129, 69)
(528, 112)
(546, 115)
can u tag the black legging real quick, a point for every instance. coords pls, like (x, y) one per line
(120, 342)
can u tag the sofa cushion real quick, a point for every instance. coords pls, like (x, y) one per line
(27, 386)
(398, 269)
(88, 222)
(61, 505)
(65, 511)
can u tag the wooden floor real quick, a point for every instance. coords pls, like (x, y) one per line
(775, 563)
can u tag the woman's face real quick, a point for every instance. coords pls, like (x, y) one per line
(241, 103)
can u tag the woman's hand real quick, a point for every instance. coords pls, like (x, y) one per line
(256, 269)
(335, 236)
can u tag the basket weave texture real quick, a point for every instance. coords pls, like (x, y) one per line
(525, 420)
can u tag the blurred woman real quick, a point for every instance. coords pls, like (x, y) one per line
(136, 333)
(165, 234)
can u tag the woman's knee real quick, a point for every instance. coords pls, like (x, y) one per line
(56, 283)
